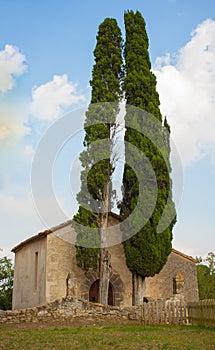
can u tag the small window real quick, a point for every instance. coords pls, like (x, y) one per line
(36, 271)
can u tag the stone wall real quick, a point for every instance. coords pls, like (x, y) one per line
(66, 309)
(162, 285)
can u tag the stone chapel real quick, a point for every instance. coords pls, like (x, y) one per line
(46, 270)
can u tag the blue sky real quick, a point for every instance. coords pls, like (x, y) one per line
(46, 54)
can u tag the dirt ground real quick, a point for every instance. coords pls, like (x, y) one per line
(75, 322)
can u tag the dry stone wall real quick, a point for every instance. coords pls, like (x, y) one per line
(68, 308)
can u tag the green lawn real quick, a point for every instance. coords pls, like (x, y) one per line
(127, 336)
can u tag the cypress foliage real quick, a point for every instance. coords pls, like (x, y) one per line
(96, 176)
(147, 251)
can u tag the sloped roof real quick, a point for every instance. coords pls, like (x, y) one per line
(184, 255)
(69, 222)
(40, 235)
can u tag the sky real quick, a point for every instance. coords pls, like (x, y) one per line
(46, 59)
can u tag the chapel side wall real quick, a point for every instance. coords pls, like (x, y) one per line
(161, 285)
(29, 279)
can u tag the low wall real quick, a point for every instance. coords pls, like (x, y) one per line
(169, 311)
(66, 309)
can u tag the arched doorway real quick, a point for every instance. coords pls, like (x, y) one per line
(94, 293)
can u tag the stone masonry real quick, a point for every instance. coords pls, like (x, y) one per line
(171, 311)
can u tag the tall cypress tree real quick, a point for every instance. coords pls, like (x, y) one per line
(147, 251)
(96, 190)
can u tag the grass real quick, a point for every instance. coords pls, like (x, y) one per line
(106, 336)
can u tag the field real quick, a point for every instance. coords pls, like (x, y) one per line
(103, 335)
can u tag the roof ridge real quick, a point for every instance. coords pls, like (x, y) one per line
(189, 257)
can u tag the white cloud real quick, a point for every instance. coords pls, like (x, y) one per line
(12, 63)
(187, 93)
(12, 123)
(50, 99)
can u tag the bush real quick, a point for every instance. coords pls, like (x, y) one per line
(6, 283)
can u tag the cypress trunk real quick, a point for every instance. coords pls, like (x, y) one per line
(96, 189)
